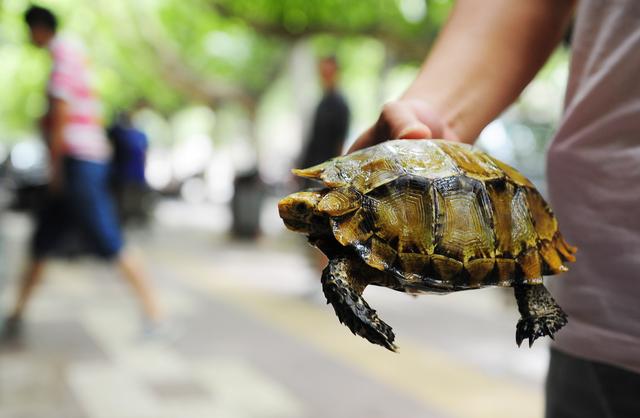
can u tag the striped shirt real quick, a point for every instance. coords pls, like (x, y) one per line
(84, 136)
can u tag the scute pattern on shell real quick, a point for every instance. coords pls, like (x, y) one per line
(441, 216)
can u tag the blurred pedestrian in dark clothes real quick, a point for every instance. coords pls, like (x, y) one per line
(331, 119)
(129, 150)
(329, 129)
(127, 169)
(79, 152)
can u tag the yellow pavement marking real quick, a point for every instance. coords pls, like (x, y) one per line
(431, 376)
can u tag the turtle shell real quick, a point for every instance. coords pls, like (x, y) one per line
(440, 216)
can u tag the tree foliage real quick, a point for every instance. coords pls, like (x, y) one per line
(173, 52)
(408, 29)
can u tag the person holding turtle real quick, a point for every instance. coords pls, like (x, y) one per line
(484, 57)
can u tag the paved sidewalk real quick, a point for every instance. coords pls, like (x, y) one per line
(251, 337)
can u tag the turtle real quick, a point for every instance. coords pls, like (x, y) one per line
(429, 216)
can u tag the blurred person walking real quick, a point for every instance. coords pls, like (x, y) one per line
(127, 175)
(79, 153)
(331, 118)
(485, 56)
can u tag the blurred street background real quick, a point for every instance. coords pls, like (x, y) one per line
(225, 92)
(251, 336)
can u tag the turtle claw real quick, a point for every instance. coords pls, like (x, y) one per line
(363, 321)
(353, 311)
(532, 328)
(540, 314)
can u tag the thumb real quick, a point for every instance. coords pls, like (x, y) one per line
(403, 122)
(414, 130)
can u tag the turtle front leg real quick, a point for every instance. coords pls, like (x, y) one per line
(540, 314)
(345, 294)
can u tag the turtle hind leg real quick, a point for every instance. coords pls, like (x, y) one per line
(345, 295)
(540, 314)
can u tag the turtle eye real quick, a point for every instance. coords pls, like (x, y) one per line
(300, 207)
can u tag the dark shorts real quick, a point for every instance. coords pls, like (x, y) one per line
(579, 388)
(85, 208)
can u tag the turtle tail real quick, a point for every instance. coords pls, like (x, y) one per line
(352, 310)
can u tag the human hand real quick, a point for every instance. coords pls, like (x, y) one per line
(56, 182)
(406, 119)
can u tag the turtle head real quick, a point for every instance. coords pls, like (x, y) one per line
(299, 211)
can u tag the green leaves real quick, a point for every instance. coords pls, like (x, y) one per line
(175, 52)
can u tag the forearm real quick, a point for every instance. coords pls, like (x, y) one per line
(55, 161)
(56, 143)
(487, 53)
(55, 134)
